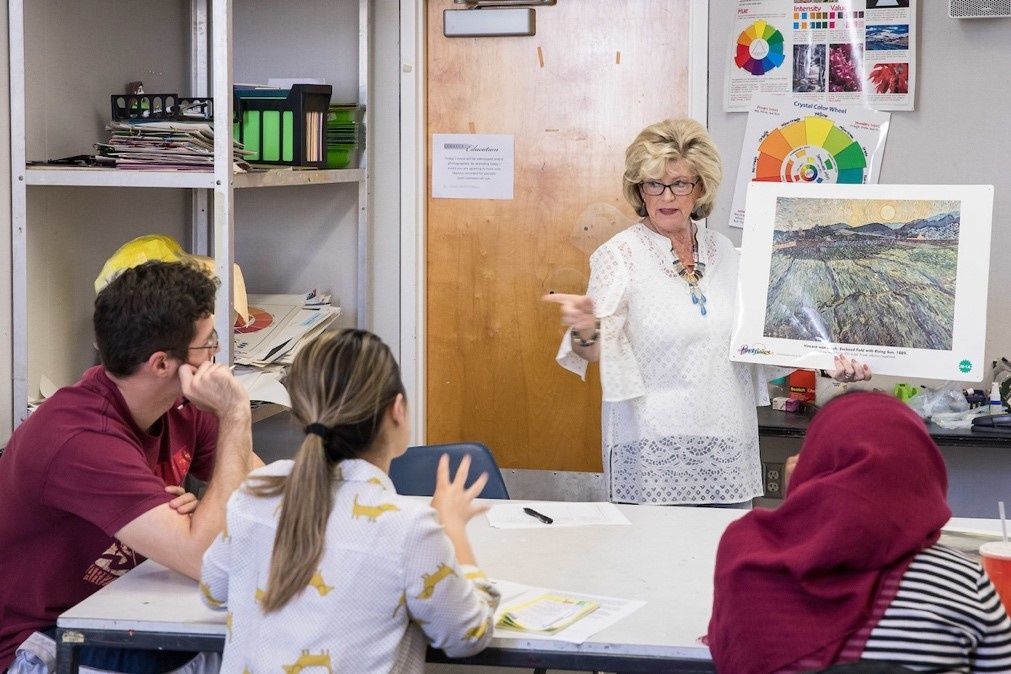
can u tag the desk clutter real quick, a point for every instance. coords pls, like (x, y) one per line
(950, 406)
(947, 404)
(794, 392)
(158, 132)
(267, 342)
(278, 325)
(292, 126)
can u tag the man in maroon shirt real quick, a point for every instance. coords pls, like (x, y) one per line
(89, 482)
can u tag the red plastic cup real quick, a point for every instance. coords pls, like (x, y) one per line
(996, 556)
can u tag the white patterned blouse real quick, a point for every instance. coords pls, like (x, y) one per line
(388, 584)
(679, 420)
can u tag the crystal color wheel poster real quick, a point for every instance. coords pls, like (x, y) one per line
(796, 142)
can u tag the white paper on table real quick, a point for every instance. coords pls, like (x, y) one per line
(973, 525)
(563, 513)
(610, 611)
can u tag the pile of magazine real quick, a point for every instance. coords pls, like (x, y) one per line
(279, 325)
(163, 146)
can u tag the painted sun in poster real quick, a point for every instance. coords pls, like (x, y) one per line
(864, 271)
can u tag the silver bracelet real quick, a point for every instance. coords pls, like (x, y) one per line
(578, 339)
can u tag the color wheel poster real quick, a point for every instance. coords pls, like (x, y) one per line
(854, 52)
(893, 275)
(791, 141)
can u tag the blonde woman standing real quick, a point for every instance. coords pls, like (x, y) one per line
(679, 420)
(322, 564)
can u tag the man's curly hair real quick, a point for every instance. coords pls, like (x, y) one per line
(151, 307)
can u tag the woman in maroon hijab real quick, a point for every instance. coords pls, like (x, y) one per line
(848, 568)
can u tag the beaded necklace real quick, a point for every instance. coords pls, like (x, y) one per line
(692, 276)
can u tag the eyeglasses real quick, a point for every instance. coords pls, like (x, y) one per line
(679, 188)
(213, 345)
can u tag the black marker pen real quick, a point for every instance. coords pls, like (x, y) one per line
(534, 513)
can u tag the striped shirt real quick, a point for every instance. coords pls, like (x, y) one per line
(946, 617)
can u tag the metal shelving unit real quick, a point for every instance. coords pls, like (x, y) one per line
(213, 194)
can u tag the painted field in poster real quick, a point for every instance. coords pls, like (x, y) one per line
(894, 275)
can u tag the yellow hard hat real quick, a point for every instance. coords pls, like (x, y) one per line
(138, 251)
(165, 248)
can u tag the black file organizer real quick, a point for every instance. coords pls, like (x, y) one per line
(286, 129)
(161, 107)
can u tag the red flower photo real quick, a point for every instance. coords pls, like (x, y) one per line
(890, 78)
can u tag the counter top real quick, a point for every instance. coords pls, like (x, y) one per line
(779, 424)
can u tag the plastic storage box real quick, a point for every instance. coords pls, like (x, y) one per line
(285, 127)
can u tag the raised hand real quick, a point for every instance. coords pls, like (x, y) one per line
(455, 504)
(454, 501)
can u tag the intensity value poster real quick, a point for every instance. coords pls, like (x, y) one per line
(793, 141)
(853, 52)
(893, 275)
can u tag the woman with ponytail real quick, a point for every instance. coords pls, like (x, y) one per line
(321, 562)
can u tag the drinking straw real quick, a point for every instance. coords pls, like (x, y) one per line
(1003, 522)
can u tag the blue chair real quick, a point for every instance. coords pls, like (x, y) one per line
(413, 474)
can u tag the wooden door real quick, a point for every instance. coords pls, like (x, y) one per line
(573, 97)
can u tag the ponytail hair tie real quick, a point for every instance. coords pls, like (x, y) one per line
(317, 429)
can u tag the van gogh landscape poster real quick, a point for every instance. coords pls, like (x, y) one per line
(893, 275)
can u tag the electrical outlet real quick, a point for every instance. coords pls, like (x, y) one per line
(772, 476)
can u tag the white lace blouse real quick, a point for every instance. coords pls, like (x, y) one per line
(679, 422)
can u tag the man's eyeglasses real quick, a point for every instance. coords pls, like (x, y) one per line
(679, 188)
(213, 345)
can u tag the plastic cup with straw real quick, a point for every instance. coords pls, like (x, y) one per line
(996, 556)
(1003, 520)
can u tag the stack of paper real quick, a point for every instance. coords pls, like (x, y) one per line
(559, 615)
(548, 612)
(279, 325)
(161, 146)
(264, 385)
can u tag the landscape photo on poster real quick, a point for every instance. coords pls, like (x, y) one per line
(864, 271)
(893, 275)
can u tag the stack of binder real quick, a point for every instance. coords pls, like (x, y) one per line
(343, 135)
